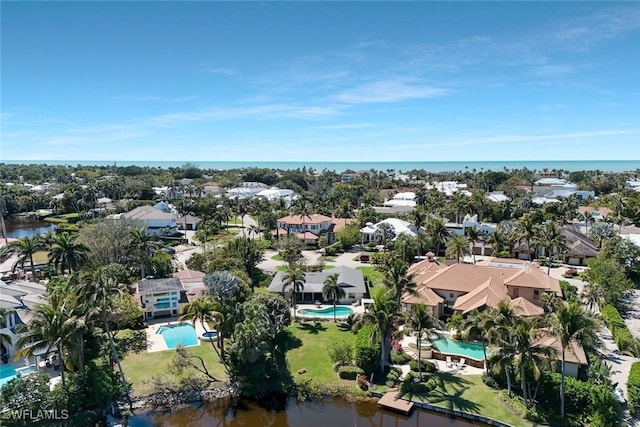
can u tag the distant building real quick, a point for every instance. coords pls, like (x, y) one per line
(350, 280)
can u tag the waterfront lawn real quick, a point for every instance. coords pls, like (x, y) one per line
(308, 351)
(468, 393)
(140, 368)
(375, 280)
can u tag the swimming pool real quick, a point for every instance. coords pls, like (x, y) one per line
(453, 347)
(7, 373)
(341, 311)
(181, 334)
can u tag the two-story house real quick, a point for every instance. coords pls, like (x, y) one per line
(160, 297)
(156, 221)
(309, 228)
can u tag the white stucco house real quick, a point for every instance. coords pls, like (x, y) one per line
(156, 221)
(370, 231)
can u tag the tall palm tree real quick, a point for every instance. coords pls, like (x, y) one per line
(569, 323)
(381, 316)
(66, 254)
(4, 337)
(459, 203)
(398, 281)
(479, 323)
(295, 279)
(25, 248)
(473, 235)
(332, 290)
(97, 293)
(418, 219)
(51, 327)
(551, 238)
(497, 240)
(437, 232)
(593, 294)
(205, 310)
(526, 232)
(529, 354)
(457, 247)
(418, 319)
(141, 247)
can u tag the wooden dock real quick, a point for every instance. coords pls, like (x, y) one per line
(391, 401)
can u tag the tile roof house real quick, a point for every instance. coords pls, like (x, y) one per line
(309, 228)
(350, 279)
(464, 287)
(574, 355)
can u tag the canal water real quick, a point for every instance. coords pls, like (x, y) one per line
(17, 228)
(323, 413)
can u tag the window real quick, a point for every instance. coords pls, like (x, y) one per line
(516, 292)
(352, 295)
(536, 294)
(451, 296)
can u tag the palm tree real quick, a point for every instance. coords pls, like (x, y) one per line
(141, 246)
(497, 241)
(205, 310)
(569, 323)
(66, 254)
(344, 211)
(551, 239)
(4, 337)
(96, 294)
(457, 247)
(419, 319)
(294, 278)
(479, 323)
(459, 203)
(526, 231)
(473, 235)
(593, 294)
(332, 290)
(418, 218)
(25, 248)
(381, 316)
(51, 326)
(437, 232)
(398, 281)
(529, 354)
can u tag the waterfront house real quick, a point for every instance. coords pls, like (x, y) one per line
(160, 297)
(350, 279)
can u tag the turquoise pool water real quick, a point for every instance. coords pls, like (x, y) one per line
(453, 347)
(174, 335)
(327, 312)
(7, 373)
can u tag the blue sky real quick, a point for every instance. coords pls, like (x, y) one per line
(303, 81)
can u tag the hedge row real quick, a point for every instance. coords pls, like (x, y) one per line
(349, 372)
(425, 366)
(621, 335)
(633, 388)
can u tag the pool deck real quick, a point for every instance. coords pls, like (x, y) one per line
(441, 364)
(156, 341)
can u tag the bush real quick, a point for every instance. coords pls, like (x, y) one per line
(399, 357)
(489, 381)
(367, 356)
(393, 376)
(633, 388)
(621, 334)
(604, 408)
(341, 352)
(349, 372)
(425, 366)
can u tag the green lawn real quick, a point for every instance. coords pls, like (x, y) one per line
(468, 393)
(375, 278)
(277, 257)
(139, 368)
(310, 352)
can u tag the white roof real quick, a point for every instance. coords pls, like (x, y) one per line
(399, 226)
(550, 181)
(275, 193)
(498, 196)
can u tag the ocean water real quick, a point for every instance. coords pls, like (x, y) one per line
(457, 166)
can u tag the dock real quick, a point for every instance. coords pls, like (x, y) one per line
(391, 401)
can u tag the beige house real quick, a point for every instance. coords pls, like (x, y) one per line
(309, 228)
(464, 287)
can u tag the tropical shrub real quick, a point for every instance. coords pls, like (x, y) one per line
(633, 388)
(367, 355)
(341, 352)
(425, 366)
(604, 408)
(399, 357)
(349, 372)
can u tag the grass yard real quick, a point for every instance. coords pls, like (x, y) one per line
(40, 257)
(139, 368)
(468, 393)
(372, 274)
(310, 352)
(277, 257)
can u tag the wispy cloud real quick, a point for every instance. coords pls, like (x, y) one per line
(216, 70)
(390, 90)
(551, 70)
